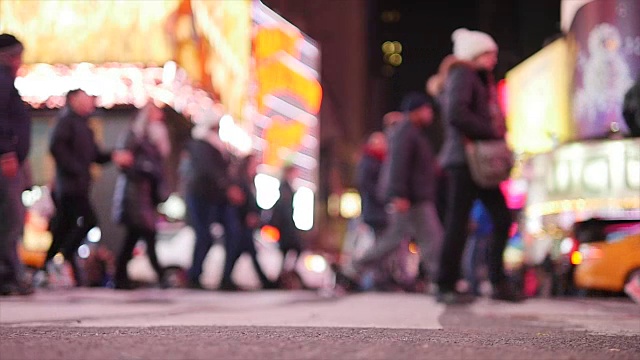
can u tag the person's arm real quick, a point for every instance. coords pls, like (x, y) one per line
(400, 163)
(401, 148)
(365, 178)
(459, 106)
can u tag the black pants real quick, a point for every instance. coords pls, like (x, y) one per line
(73, 220)
(126, 252)
(462, 193)
(246, 245)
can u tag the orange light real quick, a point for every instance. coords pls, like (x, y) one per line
(270, 233)
(413, 248)
(576, 258)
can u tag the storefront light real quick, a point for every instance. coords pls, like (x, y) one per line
(303, 205)
(350, 204)
(267, 190)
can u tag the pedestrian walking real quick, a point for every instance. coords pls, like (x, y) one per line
(15, 141)
(410, 191)
(74, 150)
(249, 216)
(141, 187)
(210, 193)
(367, 176)
(471, 113)
(282, 218)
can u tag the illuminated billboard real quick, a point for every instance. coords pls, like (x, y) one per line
(538, 96)
(286, 99)
(606, 39)
(106, 47)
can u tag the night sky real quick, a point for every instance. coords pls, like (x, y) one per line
(424, 28)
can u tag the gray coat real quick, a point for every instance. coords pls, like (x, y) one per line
(466, 113)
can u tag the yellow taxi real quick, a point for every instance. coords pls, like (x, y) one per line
(609, 261)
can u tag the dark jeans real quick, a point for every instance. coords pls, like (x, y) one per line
(11, 227)
(133, 235)
(73, 220)
(202, 214)
(246, 245)
(475, 260)
(462, 193)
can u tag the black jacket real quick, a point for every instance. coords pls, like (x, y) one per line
(74, 149)
(466, 113)
(141, 187)
(631, 109)
(412, 164)
(282, 218)
(367, 177)
(208, 172)
(15, 120)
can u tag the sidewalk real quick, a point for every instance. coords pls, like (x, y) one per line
(155, 307)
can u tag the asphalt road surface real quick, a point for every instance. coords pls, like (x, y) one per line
(183, 324)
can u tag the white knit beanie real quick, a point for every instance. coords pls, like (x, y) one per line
(468, 44)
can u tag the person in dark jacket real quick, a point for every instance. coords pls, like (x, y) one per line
(141, 187)
(210, 193)
(249, 214)
(74, 150)
(282, 218)
(15, 138)
(471, 112)
(410, 191)
(367, 176)
(631, 109)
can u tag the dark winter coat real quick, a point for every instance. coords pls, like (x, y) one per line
(282, 218)
(141, 187)
(412, 164)
(466, 113)
(631, 109)
(74, 150)
(208, 172)
(15, 120)
(367, 177)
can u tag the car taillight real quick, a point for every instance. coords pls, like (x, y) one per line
(576, 258)
(586, 252)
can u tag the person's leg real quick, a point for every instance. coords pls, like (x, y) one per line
(232, 239)
(462, 192)
(11, 228)
(428, 234)
(149, 236)
(469, 264)
(63, 225)
(494, 201)
(85, 221)
(201, 214)
(398, 228)
(248, 246)
(126, 252)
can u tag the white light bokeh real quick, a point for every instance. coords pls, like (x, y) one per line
(267, 190)
(94, 235)
(303, 205)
